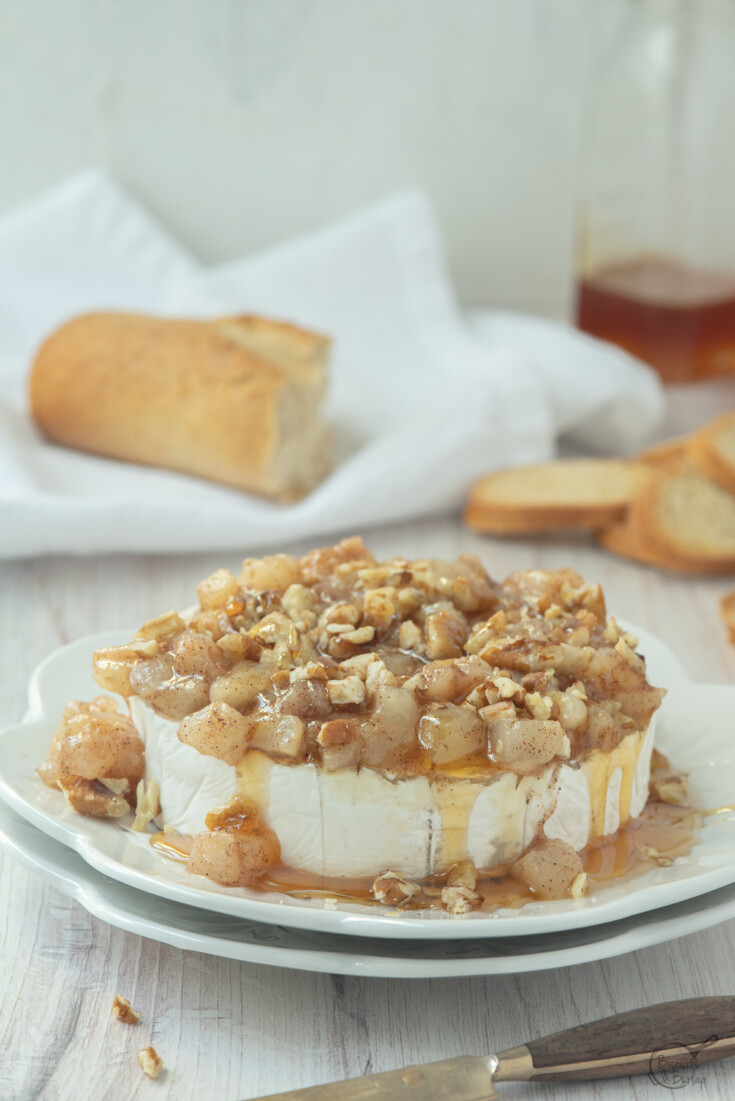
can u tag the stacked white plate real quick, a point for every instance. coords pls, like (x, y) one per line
(116, 875)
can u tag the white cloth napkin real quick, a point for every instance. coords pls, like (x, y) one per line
(422, 401)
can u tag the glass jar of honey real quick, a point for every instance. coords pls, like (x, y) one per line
(655, 266)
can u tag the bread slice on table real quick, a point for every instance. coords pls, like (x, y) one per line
(581, 494)
(712, 450)
(664, 454)
(235, 400)
(626, 541)
(684, 518)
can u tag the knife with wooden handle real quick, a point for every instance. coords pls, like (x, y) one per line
(668, 1041)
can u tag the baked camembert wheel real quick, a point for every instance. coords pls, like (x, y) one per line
(404, 725)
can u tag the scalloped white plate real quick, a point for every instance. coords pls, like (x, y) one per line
(197, 930)
(696, 729)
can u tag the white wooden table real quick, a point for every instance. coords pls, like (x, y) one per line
(232, 1030)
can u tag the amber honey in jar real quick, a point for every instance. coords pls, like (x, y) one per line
(655, 269)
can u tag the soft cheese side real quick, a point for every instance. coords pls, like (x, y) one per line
(361, 822)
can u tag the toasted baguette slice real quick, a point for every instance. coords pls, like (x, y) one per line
(713, 451)
(666, 453)
(625, 540)
(584, 494)
(235, 400)
(682, 516)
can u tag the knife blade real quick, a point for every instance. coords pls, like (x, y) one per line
(672, 1038)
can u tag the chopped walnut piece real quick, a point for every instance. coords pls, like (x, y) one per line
(536, 682)
(360, 636)
(445, 633)
(508, 689)
(380, 607)
(338, 628)
(311, 671)
(336, 732)
(460, 900)
(655, 855)
(494, 712)
(150, 1062)
(92, 798)
(147, 805)
(352, 553)
(463, 874)
(394, 889)
(623, 647)
(579, 885)
(538, 705)
(410, 636)
(123, 1010)
(348, 615)
(476, 698)
(580, 636)
(116, 786)
(358, 664)
(377, 674)
(666, 783)
(497, 622)
(675, 792)
(409, 600)
(297, 600)
(351, 690)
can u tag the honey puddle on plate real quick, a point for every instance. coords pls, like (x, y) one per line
(662, 833)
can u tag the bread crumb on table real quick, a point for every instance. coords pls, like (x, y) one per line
(150, 1062)
(124, 1011)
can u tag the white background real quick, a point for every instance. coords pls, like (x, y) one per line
(240, 123)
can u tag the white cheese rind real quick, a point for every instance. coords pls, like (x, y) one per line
(367, 819)
(641, 779)
(571, 817)
(191, 785)
(506, 816)
(612, 803)
(361, 823)
(294, 794)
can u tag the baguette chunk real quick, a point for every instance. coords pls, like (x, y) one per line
(235, 401)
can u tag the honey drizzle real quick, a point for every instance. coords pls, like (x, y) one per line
(174, 846)
(664, 829)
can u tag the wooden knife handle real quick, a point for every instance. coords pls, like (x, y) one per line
(657, 1039)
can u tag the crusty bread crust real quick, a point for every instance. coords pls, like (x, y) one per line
(707, 453)
(211, 399)
(579, 494)
(683, 517)
(666, 453)
(623, 539)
